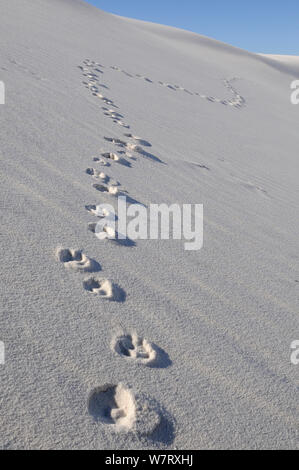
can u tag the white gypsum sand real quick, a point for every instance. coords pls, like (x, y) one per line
(216, 127)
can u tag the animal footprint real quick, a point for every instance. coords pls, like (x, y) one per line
(253, 187)
(116, 158)
(127, 73)
(98, 211)
(100, 175)
(114, 141)
(101, 161)
(113, 113)
(108, 189)
(104, 288)
(101, 188)
(76, 260)
(108, 232)
(112, 156)
(134, 148)
(141, 141)
(96, 173)
(200, 165)
(118, 407)
(113, 405)
(102, 233)
(138, 349)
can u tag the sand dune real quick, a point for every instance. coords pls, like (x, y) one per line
(135, 344)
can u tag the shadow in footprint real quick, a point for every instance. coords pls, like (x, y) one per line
(141, 351)
(100, 187)
(104, 289)
(77, 260)
(164, 433)
(129, 199)
(127, 73)
(115, 141)
(124, 162)
(113, 405)
(127, 242)
(116, 158)
(150, 156)
(101, 161)
(140, 141)
(162, 360)
(120, 408)
(112, 190)
(200, 165)
(100, 212)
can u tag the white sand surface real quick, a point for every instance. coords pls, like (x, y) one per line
(288, 63)
(157, 347)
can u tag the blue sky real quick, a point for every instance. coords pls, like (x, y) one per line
(269, 26)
